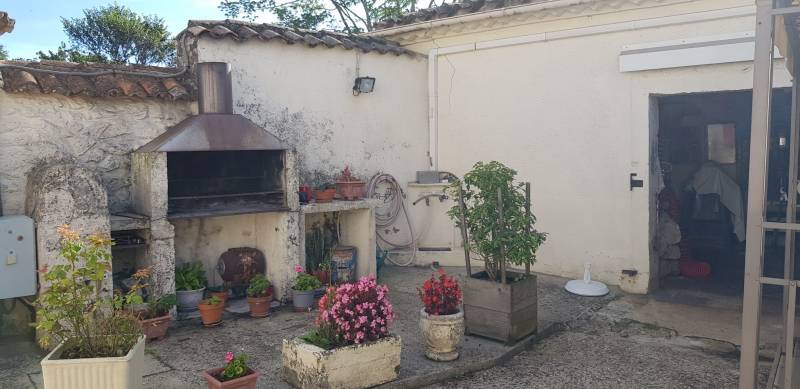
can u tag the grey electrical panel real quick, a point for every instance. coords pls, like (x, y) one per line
(17, 257)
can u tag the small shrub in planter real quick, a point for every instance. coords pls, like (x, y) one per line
(190, 285)
(211, 311)
(303, 290)
(220, 291)
(155, 318)
(94, 339)
(325, 193)
(349, 186)
(352, 346)
(259, 296)
(235, 374)
(441, 320)
(496, 221)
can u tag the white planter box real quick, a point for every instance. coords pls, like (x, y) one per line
(94, 373)
(358, 366)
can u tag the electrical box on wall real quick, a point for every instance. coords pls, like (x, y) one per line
(17, 257)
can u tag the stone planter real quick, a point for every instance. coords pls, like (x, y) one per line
(259, 306)
(188, 299)
(442, 334)
(302, 300)
(504, 312)
(155, 328)
(94, 373)
(358, 366)
(246, 382)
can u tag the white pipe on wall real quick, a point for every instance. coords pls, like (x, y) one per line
(433, 54)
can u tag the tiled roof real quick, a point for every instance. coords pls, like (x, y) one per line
(239, 30)
(72, 79)
(6, 23)
(449, 10)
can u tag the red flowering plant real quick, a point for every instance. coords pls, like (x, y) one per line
(441, 296)
(353, 313)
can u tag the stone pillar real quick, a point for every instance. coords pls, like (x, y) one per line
(149, 171)
(64, 193)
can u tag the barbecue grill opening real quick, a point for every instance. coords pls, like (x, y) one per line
(207, 183)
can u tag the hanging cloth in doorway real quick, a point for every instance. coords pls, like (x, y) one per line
(711, 180)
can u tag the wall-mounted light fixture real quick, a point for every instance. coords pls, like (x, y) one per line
(363, 85)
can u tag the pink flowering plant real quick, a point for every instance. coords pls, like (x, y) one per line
(236, 367)
(353, 313)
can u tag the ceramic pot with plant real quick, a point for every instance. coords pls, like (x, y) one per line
(211, 311)
(259, 296)
(221, 292)
(98, 336)
(155, 318)
(235, 375)
(325, 193)
(348, 186)
(323, 273)
(303, 290)
(190, 285)
(441, 319)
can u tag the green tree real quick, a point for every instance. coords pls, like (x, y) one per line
(3, 53)
(351, 16)
(115, 34)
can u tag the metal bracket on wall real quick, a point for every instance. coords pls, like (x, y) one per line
(636, 183)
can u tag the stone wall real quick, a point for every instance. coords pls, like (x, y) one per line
(98, 134)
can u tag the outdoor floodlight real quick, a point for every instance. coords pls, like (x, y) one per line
(363, 85)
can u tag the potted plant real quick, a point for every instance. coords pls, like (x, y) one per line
(220, 291)
(352, 346)
(325, 193)
(259, 296)
(323, 273)
(93, 338)
(496, 222)
(303, 290)
(190, 284)
(319, 242)
(211, 311)
(441, 319)
(235, 375)
(348, 186)
(155, 318)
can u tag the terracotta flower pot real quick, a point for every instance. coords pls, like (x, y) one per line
(325, 196)
(211, 315)
(324, 276)
(259, 306)
(156, 328)
(246, 382)
(222, 296)
(350, 190)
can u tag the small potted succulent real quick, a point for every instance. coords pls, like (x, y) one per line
(211, 311)
(235, 375)
(190, 285)
(303, 290)
(325, 193)
(220, 291)
(155, 318)
(259, 296)
(352, 336)
(441, 319)
(348, 186)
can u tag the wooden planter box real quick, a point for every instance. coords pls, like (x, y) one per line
(493, 310)
(358, 366)
(94, 373)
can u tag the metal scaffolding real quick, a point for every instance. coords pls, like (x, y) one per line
(776, 25)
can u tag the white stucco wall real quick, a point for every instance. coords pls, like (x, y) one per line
(98, 134)
(562, 114)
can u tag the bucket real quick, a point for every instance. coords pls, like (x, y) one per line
(343, 264)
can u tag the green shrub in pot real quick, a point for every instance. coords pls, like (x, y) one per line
(190, 283)
(303, 290)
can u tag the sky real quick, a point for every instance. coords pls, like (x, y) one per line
(38, 22)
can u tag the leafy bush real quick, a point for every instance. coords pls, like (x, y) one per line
(440, 296)
(353, 313)
(259, 285)
(513, 239)
(190, 276)
(236, 367)
(72, 309)
(306, 282)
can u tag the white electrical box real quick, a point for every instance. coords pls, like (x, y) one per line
(17, 257)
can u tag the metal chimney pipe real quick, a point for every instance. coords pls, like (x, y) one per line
(214, 87)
